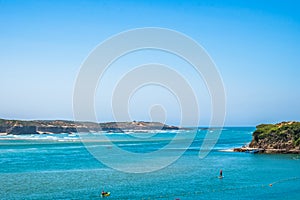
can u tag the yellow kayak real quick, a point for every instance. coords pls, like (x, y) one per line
(106, 194)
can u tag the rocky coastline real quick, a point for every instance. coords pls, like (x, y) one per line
(19, 127)
(281, 138)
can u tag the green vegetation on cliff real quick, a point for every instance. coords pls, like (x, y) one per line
(284, 136)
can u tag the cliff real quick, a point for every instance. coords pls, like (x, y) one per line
(283, 137)
(17, 127)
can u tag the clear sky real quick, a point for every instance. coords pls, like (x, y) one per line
(255, 45)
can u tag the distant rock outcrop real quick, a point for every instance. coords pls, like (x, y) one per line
(17, 127)
(283, 137)
(18, 130)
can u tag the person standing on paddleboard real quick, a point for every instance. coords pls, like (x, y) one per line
(221, 173)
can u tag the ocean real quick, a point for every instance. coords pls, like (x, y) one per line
(59, 166)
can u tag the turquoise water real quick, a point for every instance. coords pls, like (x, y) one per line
(60, 167)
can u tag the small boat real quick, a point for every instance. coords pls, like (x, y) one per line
(252, 151)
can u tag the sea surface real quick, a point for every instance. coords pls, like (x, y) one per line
(59, 166)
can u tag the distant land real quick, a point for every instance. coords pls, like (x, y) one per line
(283, 137)
(18, 127)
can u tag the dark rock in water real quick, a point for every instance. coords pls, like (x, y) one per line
(249, 150)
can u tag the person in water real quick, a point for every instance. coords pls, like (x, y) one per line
(221, 173)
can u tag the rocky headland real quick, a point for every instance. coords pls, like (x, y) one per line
(17, 127)
(283, 137)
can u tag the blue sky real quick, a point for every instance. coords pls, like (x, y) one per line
(255, 45)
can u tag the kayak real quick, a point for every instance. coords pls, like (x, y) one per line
(106, 194)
